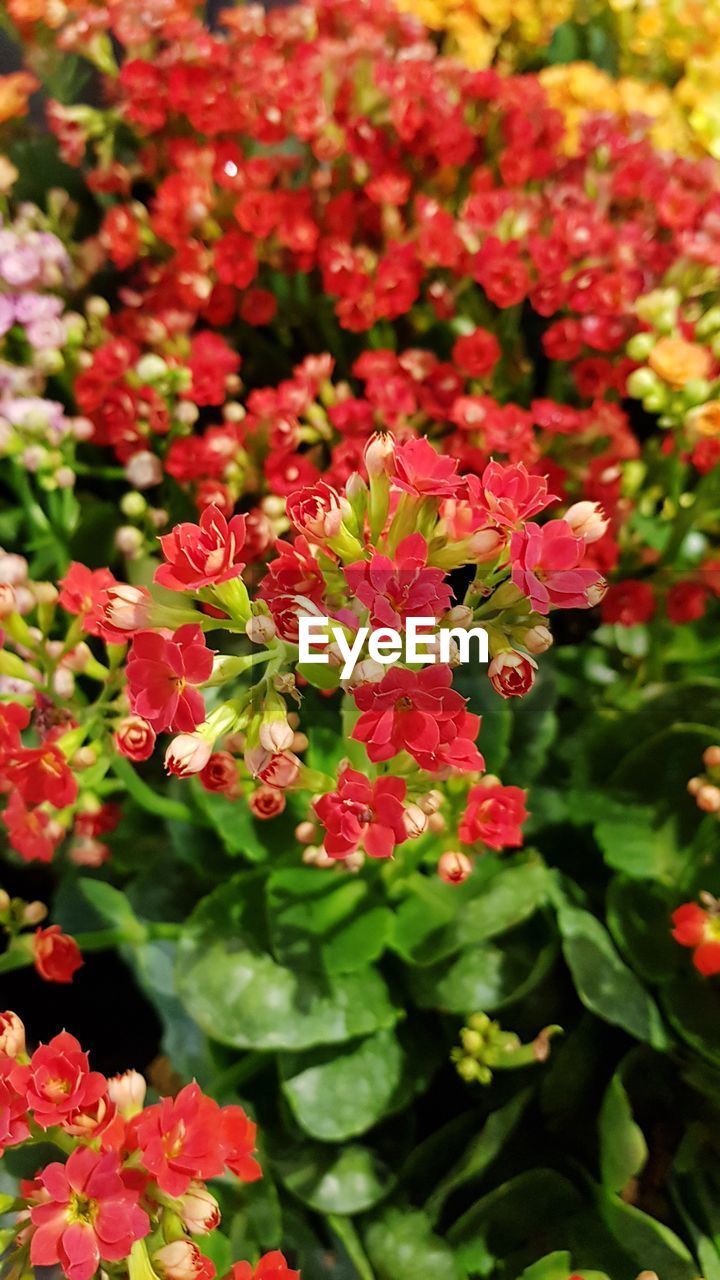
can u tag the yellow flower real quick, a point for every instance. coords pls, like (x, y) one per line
(15, 90)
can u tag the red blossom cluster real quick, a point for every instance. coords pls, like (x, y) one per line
(134, 1177)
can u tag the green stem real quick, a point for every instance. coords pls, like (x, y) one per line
(244, 1069)
(350, 1240)
(147, 798)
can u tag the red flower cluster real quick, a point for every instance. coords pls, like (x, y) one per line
(127, 1167)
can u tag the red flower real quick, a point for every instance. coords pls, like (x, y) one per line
(699, 929)
(211, 363)
(362, 812)
(477, 353)
(494, 815)
(14, 1126)
(512, 673)
(14, 717)
(32, 832)
(273, 1266)
(238, 1138)
(42, 773)
(55, 954)
(181, 1139)
(204, 554)
(547, 567)
(418, 712)
(82, 594)
(89, 1215)
(628, 603)
(686, 601)
(162, 674)
(58, 1081)
(421, 471)
(401, 588)
(220, 773)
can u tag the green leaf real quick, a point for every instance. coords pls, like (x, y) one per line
(325, 920)
(348, 1179)
(554, 1266)
(535, 1205)
(653, 1245)
(512, 896)
(692, 1005)
(480, 1153)
(637, 841)
(238, 993)
(603, 982)
(238, 830)
(320, 676)
(638, 918)
(402, 1246)
(112, 905)
(623, 1150)
(335, 1095)
(485, 977)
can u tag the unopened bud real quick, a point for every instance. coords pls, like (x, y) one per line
(708, 799)
(199, 1210)
(380, 455)
(694, 785)
(587, 521)
(454, 867)
(128, 1091)
(459, 616)
(711, 757)
(305, 832)
(8, 603)
(187, 754)
(129, 541)
(431, 802)
(415, 821)
(436, 824)
(260, 629)
(34, 912)
(276, 735)
(538, 639)
(12, 1035)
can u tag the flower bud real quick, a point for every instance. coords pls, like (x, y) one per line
(708, 799)
(454, 867)
(34, 912)
(461, 615)
(380, 454)
(587, 520)
(151, 367)
(511, 673)
(135, 738)
(711, 757)
(188, 753)
(88, 852)
(8, 603)
(538, 639)
(431, 802)
(486, 544)
(694, 785)
(220, 773)
(366, 672)
(126, 607)
(415, 821)
(436, 823)
(596, 592)
(276, 735)
(144, 470)
(182, 1260)
(305, 832)
(12, 1035)
(198, 1210)
(260, 629)
(129, 541)
(266, 802)
(128, 1091)
(13, 569)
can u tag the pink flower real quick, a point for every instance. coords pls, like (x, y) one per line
(508, 494)
(362, 812)
(162, 675)
(401, 588)
(512, 673)
(494, 815)
(14, 1126)
(204, 554)
(90, 1216)
(422, 472)
(418, 712)
(547, 567)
